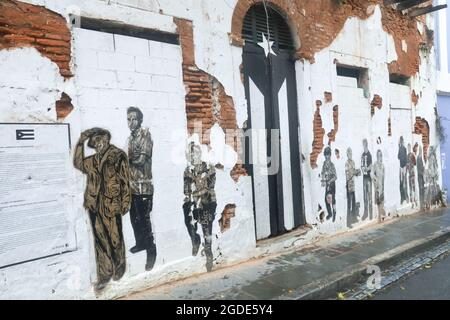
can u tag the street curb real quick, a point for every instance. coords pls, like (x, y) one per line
(338, 281)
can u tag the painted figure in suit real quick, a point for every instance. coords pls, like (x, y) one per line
(350, 174)
(366, 168)
(107, 199)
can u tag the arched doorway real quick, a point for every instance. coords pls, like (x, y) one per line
(274, 149)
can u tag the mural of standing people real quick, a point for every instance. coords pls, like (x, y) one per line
(328, 180)
(378, 175)
(421, 178)
(403, 157)
(350, 174)
(412, 176)
(140, 148)
(200, 201)
(366, 167)
(433, 169)
(107, 199)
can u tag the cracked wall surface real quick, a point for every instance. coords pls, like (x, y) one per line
(25, 25)
(317, 23)
(422, 128)
(208, 67)
(206, 100)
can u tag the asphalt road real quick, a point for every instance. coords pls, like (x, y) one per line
(432, 283)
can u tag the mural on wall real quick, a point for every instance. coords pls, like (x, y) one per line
(350, 174)
(200, 201)
(140, 148)
(328, 179)
(403, 157)
(412, 175)
(421, 177)
(107, 198)
(366, 167)
(378, 175)
(434, 194)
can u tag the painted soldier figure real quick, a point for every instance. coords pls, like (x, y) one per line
(329, 182)
(366, 168)
(403, 157)
(378, 182)
(350, 173)
(433, 166)
(421, 178)
(107, 198)
(200, 201)
(412, 176)
(140, 148)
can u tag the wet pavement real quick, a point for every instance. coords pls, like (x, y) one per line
(292, 275)
(430, 282)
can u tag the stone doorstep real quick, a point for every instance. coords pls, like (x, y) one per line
(338, 281)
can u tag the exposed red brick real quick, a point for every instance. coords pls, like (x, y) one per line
(332, 134)
(377, 102)
(319, 133)
(317, 23)
(63, 106)
(227, 213)
(421, 127)
(206, 100)
(26, 25)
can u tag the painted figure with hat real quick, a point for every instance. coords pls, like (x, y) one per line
(107, 199)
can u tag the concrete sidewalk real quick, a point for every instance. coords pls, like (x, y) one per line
(315, 272)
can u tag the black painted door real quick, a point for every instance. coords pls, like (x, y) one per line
(270, 86)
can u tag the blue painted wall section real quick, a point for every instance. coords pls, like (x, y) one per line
(444, 113)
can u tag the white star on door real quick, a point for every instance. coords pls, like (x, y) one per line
(267, 46)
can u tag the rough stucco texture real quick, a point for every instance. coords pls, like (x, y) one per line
(206, 100)
(24, 25)
(317, 23)
(422, 128)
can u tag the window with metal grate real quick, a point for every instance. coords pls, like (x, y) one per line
(255, 24)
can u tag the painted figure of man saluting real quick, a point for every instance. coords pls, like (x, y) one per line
(107, 198)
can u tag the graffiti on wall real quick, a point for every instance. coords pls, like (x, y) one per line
(107, 198)
(433, 193)
(403, 158)
(140, 148)
(377, 176)
(350, 174)
(328, 179)
(200, 201)
(366, 168)
(414, 171)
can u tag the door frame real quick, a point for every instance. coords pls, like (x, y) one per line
(277, 225)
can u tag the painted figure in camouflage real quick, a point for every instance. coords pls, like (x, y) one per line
(200, 201)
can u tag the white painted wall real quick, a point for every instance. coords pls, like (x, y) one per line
(114, 72)
(372, 50)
